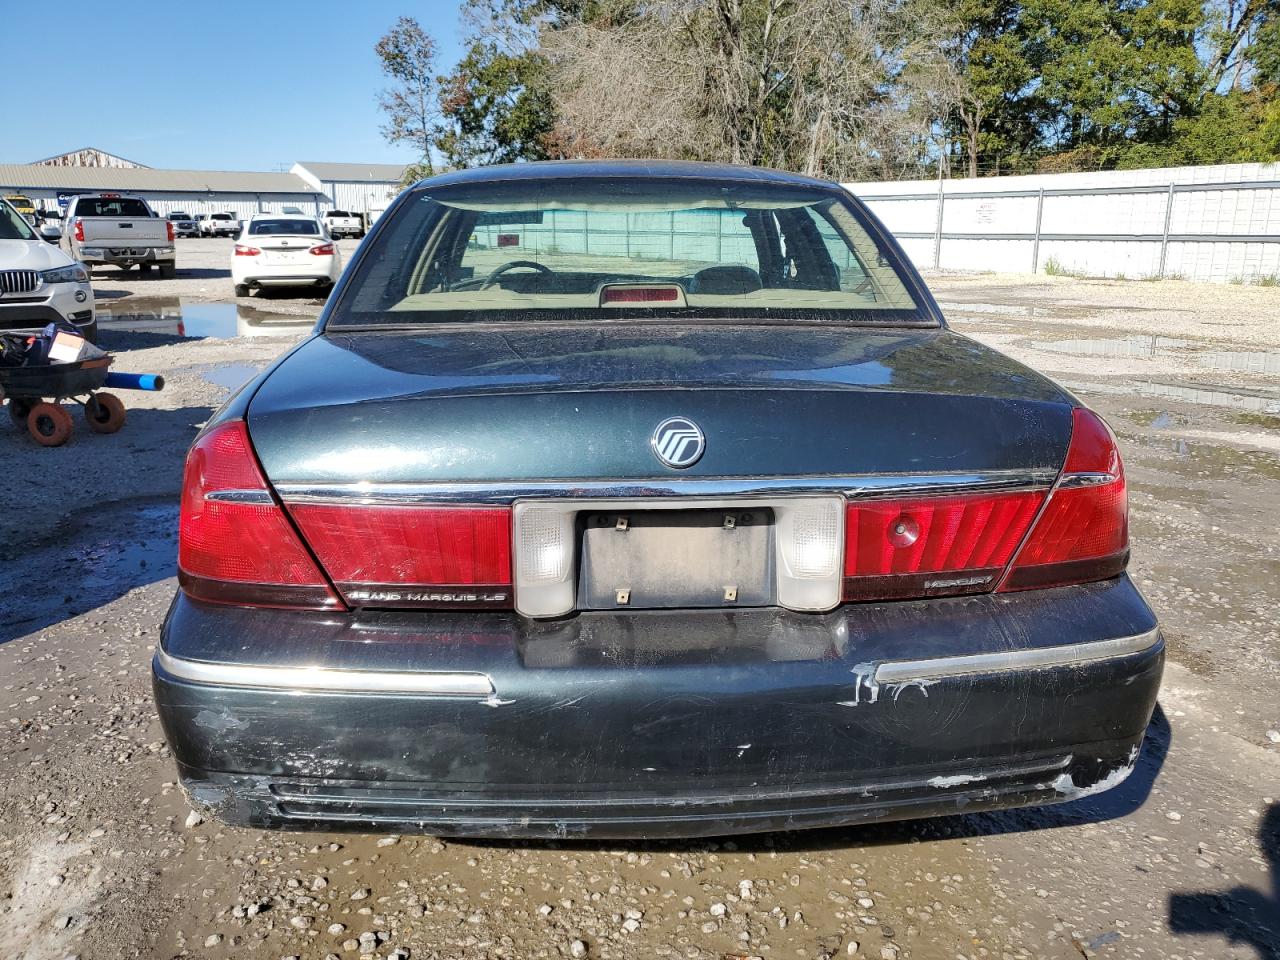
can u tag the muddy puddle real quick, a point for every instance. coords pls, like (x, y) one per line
(176, 317)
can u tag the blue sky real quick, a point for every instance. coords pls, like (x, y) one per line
(205, 84)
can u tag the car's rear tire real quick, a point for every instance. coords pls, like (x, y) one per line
(49, 424)
(144, 268)
(242, 290)
(104, 412)
(168, 270)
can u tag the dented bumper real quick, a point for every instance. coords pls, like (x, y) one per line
(657, 724)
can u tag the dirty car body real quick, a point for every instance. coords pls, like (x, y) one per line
(647, 500)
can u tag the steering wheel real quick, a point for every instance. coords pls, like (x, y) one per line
(492, 278)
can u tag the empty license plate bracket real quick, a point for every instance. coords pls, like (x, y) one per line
(662, 559)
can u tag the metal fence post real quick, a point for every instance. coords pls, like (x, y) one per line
(1035, 246)
(937, 227)
(1164, 240)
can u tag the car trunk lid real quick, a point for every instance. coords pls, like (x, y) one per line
(547, 403)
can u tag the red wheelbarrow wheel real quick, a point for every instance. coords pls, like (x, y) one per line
(49, 424)
(105, 413)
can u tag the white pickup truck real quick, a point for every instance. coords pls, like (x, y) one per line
(117, 229)
(343, 224)
(220, 225)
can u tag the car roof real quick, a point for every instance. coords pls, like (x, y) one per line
(642, 169)
(282, 216)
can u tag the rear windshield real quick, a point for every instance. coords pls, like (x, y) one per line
(111, 207)
(12, 224)
(222, 216)
(304, 228)
(179, 215)
(337, 213)
(611, 247)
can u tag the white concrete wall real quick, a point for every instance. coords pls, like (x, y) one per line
(983, 228)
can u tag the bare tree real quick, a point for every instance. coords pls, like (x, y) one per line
(834, 88)
(408, 55)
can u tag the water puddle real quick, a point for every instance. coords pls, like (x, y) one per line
(1135, 346)
(1253, 401)
(1000, 309)
(173, 316)
(1154, 346)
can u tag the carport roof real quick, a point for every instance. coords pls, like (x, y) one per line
(355, 172)
(21, 176)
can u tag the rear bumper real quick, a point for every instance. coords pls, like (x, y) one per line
(118, 254)
(657, 724)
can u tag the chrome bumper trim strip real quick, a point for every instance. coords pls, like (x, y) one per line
(508, 491)
(321, 679)
(910, 671)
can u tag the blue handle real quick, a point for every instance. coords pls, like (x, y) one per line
(135, 381)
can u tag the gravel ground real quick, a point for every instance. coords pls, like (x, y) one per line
(100, 856)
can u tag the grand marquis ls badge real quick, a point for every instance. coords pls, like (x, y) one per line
(678, 442)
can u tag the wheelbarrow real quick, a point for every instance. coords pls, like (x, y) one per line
(35, 394)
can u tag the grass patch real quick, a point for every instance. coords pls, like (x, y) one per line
(1270, 421)
(1056, 268)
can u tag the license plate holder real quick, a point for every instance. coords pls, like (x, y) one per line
(662, 559)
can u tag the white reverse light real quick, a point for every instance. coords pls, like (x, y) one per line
(544, 568)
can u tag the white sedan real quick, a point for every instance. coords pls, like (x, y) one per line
(284, 250)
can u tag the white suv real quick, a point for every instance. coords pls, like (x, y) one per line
(39, 283)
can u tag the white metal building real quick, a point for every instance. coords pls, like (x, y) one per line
(192, 191)
(365, 188)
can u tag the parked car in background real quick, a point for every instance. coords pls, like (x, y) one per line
(39, 283)
(119, 230)
(731, 534)
(184, 225)
(24, 206)
(340, 223)
(220, 225)
(284, 250)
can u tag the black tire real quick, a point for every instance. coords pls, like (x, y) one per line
(168, 270)
(19, 409)
(144, 268)
(242, 290)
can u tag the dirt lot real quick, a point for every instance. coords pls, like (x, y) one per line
(100, 858)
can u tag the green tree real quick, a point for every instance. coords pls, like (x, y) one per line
(495, 108)
(408, 55)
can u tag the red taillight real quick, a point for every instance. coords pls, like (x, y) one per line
(624, 294)
(1083, 533)
(169, 225)
(235, 544)
(929, 546)
(421, 556)
(79, 231)
(243, 251)
(323, 250)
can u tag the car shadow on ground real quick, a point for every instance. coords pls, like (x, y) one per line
(1244, 915)
(107, 552)
(98, 553)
